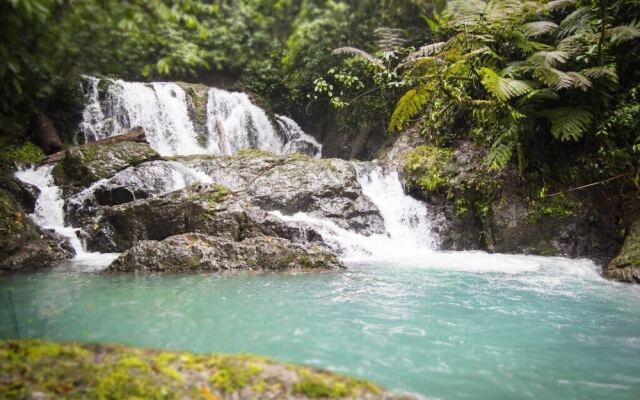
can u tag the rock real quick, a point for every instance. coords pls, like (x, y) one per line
(22, 244)
(494, 211)
(211, 210)
(115, 372)
(47, 134)
(83, 165)
(24, 194)
(196, 252)
(324, 188)
(626, 266)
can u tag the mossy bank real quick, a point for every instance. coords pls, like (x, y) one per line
(46, 370)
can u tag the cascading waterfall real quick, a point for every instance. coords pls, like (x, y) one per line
(296, 140)
(163, 109)
(410, 238)
(49, 213)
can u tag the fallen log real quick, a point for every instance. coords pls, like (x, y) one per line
(136, 134)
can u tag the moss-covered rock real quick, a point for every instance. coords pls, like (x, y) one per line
(198, 96)
(195, 253)
(85, 164)
(626, 266)
(22, 244)
(38, 369)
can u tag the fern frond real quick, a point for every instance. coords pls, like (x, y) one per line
(353, 51)
(624, 33)
(579, 81)
(426, 51)
(568, 123)
(555, 78)
(389, 39)
(536, 97)
(408, 107)
(601, 73)
(538, 28)
(503, 88)
(549, 58)
(556, 5)
(574, 44)
(576, 21)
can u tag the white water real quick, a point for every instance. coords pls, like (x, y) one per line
(163, 110)
(410, 240)
(296, 140)
(49, 214)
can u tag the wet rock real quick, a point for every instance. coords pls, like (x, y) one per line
(197, 252)
(24, 194)
(211, 210)
(83, 165)
(626, 266)
(494, 211)
(23, 245)
(324, 188)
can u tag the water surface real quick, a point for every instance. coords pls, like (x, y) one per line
(550, 329)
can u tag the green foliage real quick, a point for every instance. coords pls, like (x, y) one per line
(26, 153)
(425, 166)
(523, 77)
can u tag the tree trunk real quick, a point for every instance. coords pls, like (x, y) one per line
(46, 134)
(134, 135)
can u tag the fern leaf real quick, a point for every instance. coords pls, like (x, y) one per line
(357, 52)
(624, 33)
(538, 28)
(601, 73)
(408, 107)
(549, 58)
(579, 81)
(536, 97)
(568, 123)
(577, 21)
(426, 51)
(503, 88)
(555, 78)
(556, 5)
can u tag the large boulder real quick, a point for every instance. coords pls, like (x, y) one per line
(626, 266)
(323, 188)
(496, 211)
(47, 134)
(23, 245)
(196, 252)
(83, 165)
(207, 209)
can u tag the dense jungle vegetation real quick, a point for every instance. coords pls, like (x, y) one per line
(549, 87)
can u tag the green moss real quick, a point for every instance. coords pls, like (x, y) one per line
(251, 153)
(232, 376)
(117, 372)
(425, 166)
(26, 153)
(557, 206)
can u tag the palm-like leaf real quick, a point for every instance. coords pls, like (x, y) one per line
(576, 21)
(549, 58)
(623, 33)
(408, 107)
(554, 78)
(556, 5)
(357, 52)
(568, 123)
(601, 73)
(538, 28)
(502, 88)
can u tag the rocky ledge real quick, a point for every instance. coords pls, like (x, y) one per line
(626, 266)
(34, 369)
(197, 253)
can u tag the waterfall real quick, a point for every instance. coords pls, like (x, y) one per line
(161, 108)
(296, 140)
(408, 222)
(49, 213)
(235, 123)
(164, 110)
